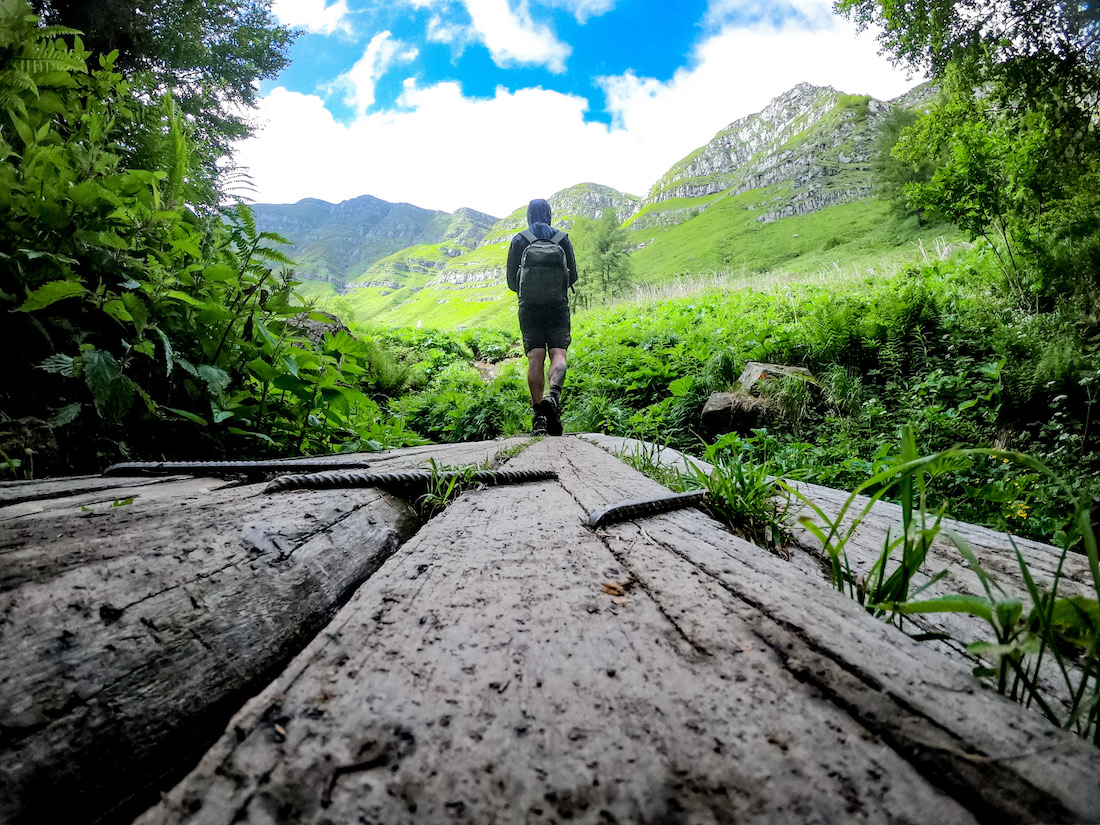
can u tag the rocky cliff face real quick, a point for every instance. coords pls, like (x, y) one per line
(813, 138)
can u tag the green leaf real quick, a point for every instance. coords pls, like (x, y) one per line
(146, 348)
(184, 297)
(117, 310)
(295, 385)
(59, 364)
(216, 378)
(51, 293)
(263, 370)
(681, 386)
(993, 650)
(952, 603)
(139, 312)
(187, 367)
(1008, 612)
(89, 193)
(168, 354)
(112, 392)
(261, 436)
(65, 415)
(218, 272)
(188, 415)
(265, 333)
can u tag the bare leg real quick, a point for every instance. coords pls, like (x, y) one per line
(557, 371)
(536, 375)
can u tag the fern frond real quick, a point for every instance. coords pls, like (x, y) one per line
(275, 236)
(248, 222)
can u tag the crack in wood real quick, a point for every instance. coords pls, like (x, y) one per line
(653, 596)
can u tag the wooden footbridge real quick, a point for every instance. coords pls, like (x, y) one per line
(190, 649)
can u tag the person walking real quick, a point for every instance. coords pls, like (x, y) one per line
(541, 268)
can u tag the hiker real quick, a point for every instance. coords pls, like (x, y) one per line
(541, 268)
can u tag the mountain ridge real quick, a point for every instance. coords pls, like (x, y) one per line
(809, 149)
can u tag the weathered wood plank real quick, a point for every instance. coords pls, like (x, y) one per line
(508, 664)
(53, 489)
(930, 693)
(129, 635)
(994, 550)
(86, 502)
(18, 492)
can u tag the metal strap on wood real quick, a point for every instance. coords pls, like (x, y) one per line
(639, 508)
(218, 468)
(411, 478)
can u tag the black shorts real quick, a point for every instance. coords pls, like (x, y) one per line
(545, 326)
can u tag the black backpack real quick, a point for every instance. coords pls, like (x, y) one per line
(543, 273)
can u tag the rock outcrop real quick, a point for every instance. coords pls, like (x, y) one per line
(814, 139)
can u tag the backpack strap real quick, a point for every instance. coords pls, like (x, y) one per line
(529, 235)
(559, 236)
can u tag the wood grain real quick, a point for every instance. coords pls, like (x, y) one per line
(508, 664)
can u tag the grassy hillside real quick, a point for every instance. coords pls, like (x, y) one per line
(443, 307)
(727, 237)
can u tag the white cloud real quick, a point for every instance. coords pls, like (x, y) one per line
(721, 12)
(441, 32)
(584, 9)
(381, 53)
(511, 35)
(442, 150)
(313, 15)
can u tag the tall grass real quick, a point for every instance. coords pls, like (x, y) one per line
(1049, 625)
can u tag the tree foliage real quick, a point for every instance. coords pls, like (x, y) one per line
(982, 34)
(132, 324)
(893, 174)
(1014, 131)
(603, 257)
(208, 54)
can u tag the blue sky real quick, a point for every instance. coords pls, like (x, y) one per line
(489, 103)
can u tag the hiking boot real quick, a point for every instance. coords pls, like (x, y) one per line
(553, 415)
(539, 422)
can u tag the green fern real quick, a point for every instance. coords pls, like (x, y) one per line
(32, 54)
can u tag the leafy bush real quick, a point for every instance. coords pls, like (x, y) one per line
(142, 325)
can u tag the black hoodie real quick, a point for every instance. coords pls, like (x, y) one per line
(538, 221)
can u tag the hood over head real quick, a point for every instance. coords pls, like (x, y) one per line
(538, 211)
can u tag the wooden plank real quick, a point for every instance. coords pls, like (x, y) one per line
(508, 664)
(994, 550)
(17, 492)
(129, 635)
(930, 693)
(20, 499)
(83, 503)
